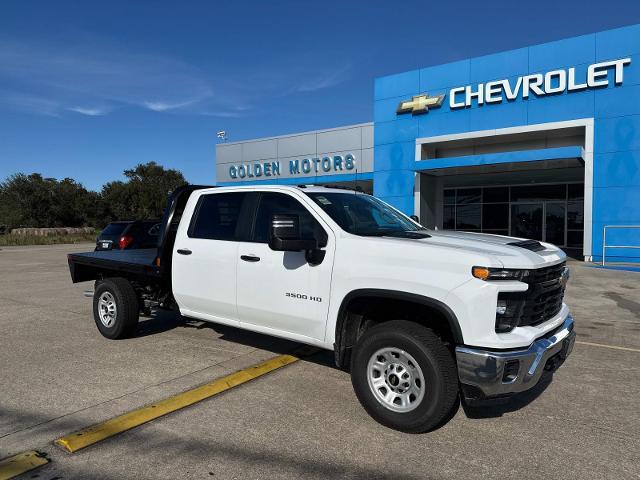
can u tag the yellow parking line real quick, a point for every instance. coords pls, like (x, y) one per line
(615, 347)
(23, 462)
(96, 433)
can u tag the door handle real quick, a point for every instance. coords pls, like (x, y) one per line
(184, 251)
(249, 258)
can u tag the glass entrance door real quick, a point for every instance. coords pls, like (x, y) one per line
(555, 218)
(526, 220)
(545, 221)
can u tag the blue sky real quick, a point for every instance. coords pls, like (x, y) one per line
(90, 88)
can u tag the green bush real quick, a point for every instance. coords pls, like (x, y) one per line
(13, 240)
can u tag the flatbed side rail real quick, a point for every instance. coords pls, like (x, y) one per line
(604, 240)
(83, 268)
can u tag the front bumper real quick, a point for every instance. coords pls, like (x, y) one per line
(485, 373)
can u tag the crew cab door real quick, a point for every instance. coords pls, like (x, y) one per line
(205, 257)
(280, 292)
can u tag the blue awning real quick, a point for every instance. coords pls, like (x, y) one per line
(559, 153)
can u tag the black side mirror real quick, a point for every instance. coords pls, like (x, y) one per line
(285, 235)
(415, 218)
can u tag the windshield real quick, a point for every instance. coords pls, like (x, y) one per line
(364, 215)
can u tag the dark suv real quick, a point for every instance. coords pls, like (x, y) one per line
(129, 235)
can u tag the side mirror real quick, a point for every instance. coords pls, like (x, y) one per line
(284, 235)
(415, 218)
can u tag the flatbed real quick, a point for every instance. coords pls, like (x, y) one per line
(140, 262)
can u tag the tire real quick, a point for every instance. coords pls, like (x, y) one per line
(115, 308)
(384, 364)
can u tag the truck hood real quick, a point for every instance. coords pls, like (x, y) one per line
(495, 246)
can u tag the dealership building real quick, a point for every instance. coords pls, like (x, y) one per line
(540, 142)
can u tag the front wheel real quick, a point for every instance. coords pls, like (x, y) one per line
(404, 376)
(115, 308)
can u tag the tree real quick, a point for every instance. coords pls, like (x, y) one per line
(35, 201)
(143, 195)
(72, 204)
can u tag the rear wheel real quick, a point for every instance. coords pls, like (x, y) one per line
(404, 376)
(115, 308)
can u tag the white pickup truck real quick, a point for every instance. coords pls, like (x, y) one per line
(420, 318)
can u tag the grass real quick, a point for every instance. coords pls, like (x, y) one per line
(14, 240)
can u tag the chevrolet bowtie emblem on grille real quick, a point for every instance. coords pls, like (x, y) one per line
(420, 104)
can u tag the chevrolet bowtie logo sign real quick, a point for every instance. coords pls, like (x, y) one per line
(420, 104)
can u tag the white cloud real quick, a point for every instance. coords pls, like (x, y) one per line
(31, 103)
(329, 79)
(95, 78)
(164, 106)
(109, 77)
(91, 111)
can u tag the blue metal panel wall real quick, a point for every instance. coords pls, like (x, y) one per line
(616, 110)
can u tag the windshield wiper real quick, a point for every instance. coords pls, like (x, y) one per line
(417, 234)
(410, 234)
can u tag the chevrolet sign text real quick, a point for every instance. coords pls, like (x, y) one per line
(552, 82)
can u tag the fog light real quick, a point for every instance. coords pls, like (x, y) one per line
(501, 307)
(508, 309)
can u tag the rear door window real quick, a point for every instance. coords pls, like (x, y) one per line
(217, 216)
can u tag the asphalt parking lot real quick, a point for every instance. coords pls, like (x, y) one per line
(58, 375)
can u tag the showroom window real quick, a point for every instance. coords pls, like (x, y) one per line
(552, 213)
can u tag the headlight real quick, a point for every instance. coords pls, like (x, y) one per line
(484, 273)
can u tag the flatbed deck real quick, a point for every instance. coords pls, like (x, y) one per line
(138, 262)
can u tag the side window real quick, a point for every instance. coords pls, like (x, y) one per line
(216, 216)
(280, 203)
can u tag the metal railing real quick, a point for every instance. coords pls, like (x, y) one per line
(604, 240)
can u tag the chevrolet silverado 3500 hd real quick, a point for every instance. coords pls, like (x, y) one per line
(420, 318)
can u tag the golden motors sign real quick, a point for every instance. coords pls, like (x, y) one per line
(323, 165)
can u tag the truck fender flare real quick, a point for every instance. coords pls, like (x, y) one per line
(437, 305)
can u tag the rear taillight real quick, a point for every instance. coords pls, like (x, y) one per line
(125, 241)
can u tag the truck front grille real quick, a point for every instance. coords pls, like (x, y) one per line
(543, 299)
(541, 302)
